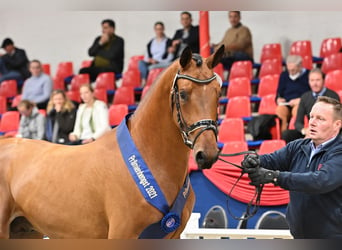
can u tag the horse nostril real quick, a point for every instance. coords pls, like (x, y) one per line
(201, 159)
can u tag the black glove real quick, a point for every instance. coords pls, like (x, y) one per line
(263, 176)
(250, 163)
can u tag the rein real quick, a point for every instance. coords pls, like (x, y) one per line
(250, 210)
(205, 124)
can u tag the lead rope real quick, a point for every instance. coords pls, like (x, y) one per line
(257, 194)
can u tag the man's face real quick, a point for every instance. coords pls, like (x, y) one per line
(316, 82)
(35, 68)
(185, 20)
(293, 68)
(234, 18)
(107, 29)
(322, 123)
(9, 48)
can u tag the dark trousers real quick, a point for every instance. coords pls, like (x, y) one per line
(236, 56)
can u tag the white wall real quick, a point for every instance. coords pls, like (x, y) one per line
(55, 36)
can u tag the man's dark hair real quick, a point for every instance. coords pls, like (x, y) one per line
(186, 13)
(237, 12)
(6, 42)
(110, 22)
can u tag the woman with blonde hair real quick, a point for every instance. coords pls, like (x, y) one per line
(61, 115)
(91, 118)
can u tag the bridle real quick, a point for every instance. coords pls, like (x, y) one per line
(250, 210)
(209, 124)
(205, 124)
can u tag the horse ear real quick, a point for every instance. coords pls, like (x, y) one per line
(185, 58)
(215, 58)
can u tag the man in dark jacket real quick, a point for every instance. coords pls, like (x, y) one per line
(311, 170)
(308, 99)
(108, 52)
(188, 36)
(13, 64)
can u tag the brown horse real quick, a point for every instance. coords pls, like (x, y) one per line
(87, 191)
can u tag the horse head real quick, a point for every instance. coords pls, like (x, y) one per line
(195, 94)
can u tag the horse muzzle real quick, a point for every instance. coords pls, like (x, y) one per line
(205, 150)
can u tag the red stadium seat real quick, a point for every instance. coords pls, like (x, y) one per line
(46, 68)
(78, 80)
(268, 85)
(58, 83)
(117, 113)
(238, 106)
(9, 88)
(3, 104)
(239, 86)
(124, 95)
(74, 95)
(64, 69)
(333, 80)
(106, 80)
(152, 75)
(267, 105)
(133, 63)
(271, 51)
(241, 69)
(9, 122)
(270, 67)
(131, 78)
(303, 49)
(101, 94)
(269, 146)
(231, 129)
(332, 62)
(330, 46)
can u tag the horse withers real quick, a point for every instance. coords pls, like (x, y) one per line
(90, 191)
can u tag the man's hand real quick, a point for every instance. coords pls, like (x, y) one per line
(263, 176)
(104, 39)
(250, 163)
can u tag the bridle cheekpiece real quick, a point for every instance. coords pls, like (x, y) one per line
(205, 124)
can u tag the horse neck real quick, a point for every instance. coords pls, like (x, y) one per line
(155, 132)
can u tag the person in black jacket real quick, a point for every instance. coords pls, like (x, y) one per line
(108, 52)
(13, 64)
(188, 36)
(307, 100)
(61, 115)
(311, 170)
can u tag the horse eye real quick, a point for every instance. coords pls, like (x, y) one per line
(183, 95)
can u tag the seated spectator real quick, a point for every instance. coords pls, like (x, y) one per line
(32, 122)
(38, 87)
(292, 84)
(157, 55)
(61, 115)
(187, 36)
(13, 64)
(108, 52)
(308, 99)
(237, 40)
(91, 118)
